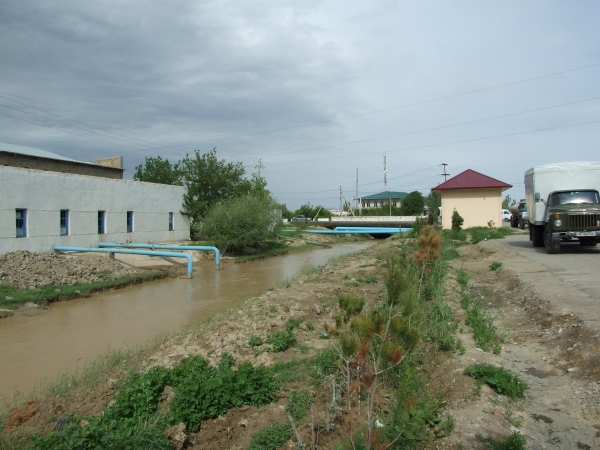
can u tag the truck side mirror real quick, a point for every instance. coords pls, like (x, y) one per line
(537, 197)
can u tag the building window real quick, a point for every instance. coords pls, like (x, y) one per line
(21, 222)
(363, 205)
(64, 222)
(101, 222)
(171, 228)
(368, 204)
(130, 221)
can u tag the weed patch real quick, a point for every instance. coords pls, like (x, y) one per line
(271, 438)
(498, 378)
(515, 441)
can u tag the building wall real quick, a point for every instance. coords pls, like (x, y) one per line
(44, 194)
(476, 206)
(56, 165)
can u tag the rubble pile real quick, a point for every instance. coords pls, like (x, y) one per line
(29, 270)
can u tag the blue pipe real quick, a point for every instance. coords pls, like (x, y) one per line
(169, 247)
(190, 265)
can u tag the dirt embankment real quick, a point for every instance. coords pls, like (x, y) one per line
(554, 353)
(29, 270)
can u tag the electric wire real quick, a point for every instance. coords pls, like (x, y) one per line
(436, 145)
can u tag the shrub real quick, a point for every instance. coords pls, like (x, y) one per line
(457, 221)
(205, 392)
(240, 222)
(281, 340)
(297, 404)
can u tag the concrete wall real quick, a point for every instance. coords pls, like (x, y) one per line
(476, 206)
(44, 194)
(56, 165)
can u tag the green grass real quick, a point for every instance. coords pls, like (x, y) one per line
(515, 441)
(271, 438)
(479, 234)
(49, 294)
(485, 333)
(499, 379)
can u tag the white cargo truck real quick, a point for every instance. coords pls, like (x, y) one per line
(563, 204)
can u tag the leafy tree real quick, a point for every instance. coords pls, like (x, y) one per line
(508, 202)
(158, 170)
(210, 181)
(309, 211)
(412, 204)
(240, 222)
(434, 201)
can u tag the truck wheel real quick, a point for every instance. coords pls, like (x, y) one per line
(513, 222)
(552, 247)
(521, 224)
(537, 235)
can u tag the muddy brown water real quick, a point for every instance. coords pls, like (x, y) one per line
(42, 347)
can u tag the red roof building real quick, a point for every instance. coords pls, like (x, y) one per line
(476, 197)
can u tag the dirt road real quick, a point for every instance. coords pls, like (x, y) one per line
(546, 306)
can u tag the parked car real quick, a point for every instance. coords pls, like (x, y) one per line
(301, 219)
(506, 215)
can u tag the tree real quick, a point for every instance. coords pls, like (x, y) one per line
(508, 202)
(241, 222)
(210, 181)
(412, 204)
(457, 221)
(434, 201)
(158, 170)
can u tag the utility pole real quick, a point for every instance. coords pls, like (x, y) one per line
(356, 198)
(384, 173)
(340, 201)
(260, 166)
(445, 174)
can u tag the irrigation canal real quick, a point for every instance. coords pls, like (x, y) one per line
(42, 347)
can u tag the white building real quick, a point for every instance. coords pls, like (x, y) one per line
(42, 208)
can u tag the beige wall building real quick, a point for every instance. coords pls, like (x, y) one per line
(476, 197)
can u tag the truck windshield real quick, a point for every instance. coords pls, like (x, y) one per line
(574, 197)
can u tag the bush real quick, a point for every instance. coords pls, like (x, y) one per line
(281, 340)
(205, 392)
(457, 221)
(240, 222)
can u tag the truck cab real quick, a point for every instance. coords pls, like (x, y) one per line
(572, 215)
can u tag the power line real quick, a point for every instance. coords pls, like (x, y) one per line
(306, 124)
(79, 128)
(441, 144)
(70, 132)
(512, 83)
(437, 128)
(76, 121)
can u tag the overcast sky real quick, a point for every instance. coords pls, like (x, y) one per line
(314, 89)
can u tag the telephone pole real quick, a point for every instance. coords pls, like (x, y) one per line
(445, 174)
(260, 166)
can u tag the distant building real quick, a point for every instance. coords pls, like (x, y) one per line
(48, 200)
(381, 199)
(476, 197)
